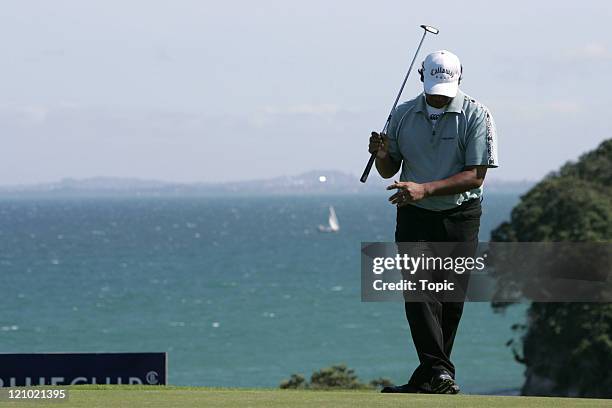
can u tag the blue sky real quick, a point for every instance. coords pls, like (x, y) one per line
(219, 91)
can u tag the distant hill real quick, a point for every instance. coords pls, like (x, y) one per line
(306, 183)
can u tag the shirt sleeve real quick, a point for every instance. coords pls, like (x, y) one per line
(392, 134)
(481, 141)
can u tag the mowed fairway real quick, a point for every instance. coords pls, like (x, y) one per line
(130, 396)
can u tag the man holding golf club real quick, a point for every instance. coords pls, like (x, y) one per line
(444, 141)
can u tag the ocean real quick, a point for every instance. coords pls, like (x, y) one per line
(241, 291)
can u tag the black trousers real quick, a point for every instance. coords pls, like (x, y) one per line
(433, 324)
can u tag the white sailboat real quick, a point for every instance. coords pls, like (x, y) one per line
(333, 225)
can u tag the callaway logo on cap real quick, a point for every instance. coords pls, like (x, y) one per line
(441, 72)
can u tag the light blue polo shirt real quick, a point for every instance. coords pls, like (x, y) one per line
(464, 135)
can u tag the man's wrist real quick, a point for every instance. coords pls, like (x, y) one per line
(428, 188)
(382, 154)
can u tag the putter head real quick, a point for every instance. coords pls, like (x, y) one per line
(430, 29)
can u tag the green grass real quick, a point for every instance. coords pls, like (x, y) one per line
(88, 396)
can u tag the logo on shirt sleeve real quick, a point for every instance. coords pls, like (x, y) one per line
(490, 140)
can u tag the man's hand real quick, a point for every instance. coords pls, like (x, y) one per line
(379, 144)
(407, 192)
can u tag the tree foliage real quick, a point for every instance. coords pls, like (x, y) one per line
(338, 376)
(569, 344)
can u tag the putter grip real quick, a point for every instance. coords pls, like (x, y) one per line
(368, 167)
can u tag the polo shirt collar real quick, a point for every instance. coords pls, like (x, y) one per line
(420, 105)
(455, 105)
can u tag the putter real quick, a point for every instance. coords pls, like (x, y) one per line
(426, 29)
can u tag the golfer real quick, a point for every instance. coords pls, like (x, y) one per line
(444, 141)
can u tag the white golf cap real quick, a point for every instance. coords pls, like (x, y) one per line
(441, 72)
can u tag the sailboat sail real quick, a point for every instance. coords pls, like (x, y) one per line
(333, 224)
(333, 220)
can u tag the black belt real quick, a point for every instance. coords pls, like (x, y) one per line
(463, 206)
